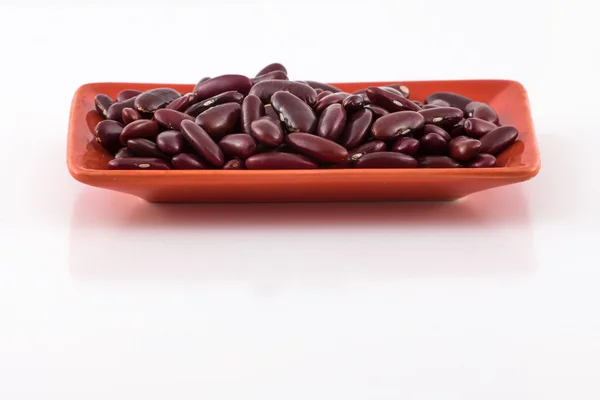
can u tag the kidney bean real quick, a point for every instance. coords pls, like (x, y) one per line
(240, 145)
(171, 119)
(316, 147)
(204, 145)
(377, 111)
(142, 128)
(462, 148)
(418, 103)
(429, 128)
(220, 120)
(357, 129)
(397, 124)
(390, 101)
(223, 83)
(386, 159)
(128, 115)
(329, 100)
(453, 99)
(188, 161)
(476, 109)
(182, 103)
(433, 144)
(332, 122)
(458, 129)
(200, 82)
(145, 148)
(102, 103)
(107, 133)
(442, 116)
(296, 115)
(252, 109)
(439, 103)
(171, 142)
(322, 94)
(482, 161)
(498, 140)
(138, 163)
(127, 94)
(124, 152)
(392, 90)
(270, 75)
(265, 89)
(476, 127)
(402, 89)
(353, 102)
(115, 111)
(272, 67)
(318, 92)
(373, 146)
(227, 97)
(267, 132)
(438, 162)
(154, 99)
(406, 145)
(428, 106)
(324, 86)
(279, 160)
(234, 163)
(271, 113)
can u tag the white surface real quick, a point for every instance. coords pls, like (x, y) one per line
(105, 297)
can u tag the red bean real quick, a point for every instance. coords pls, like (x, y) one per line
(200, 82)
(127, 94)
(252, 109)
(220, 120)
(357, 129)
(296, 115)
(332, 122)
(145, 148)
(279, 160)
(482, 161)
(353, 102)
(390, 101)
(267, 132)
(322, 94)
(102, 103)
(377, 111)
(270, 75)
(171, 142)
(406, 145)
(182, 103)
(316, 147)
(463, 148)
(433, 144)
(124, 152)
(171, 119)
(392, 90)
(442, 116)
(129, 115)
(482, 111)
(373, 146)
(271, 113)
(397, 124)
(402, 89)
(221, 84)
(265, 89)
(329, 100)
(385, 159)
(429, 128)
(234, 163)
(453, 99)
(142, 128)
(188, 161)
(498, 140)
(115, 111)
(324, 86)
(439, 103)
(154, 99)
(476, 127)
(240, 145)
(204, 145)
(138, 163)
(222, 98)
(108, 133)
(458, 129)
(437, 162)
(272, 67)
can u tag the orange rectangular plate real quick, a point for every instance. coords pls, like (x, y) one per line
(87, 161)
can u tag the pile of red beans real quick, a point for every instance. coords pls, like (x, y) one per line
(271, 122)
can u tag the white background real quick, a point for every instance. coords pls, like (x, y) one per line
(103, 296)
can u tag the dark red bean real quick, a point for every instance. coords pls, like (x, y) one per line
(220, 120)
(498, 140)
(272, 67)
(124, 152)
(462, 148)
(386, 159)
(279, 160)
(204, 145)
(458, 129)
(390, 101)
(453, 99)
(316, 147)
(322, 94)
(324, 86)
(442, 116)
(377, 111)
(267, 132)
(234, 163)
(108, 133)
(397, 124)
(332, 122)
(223, 98)
(433, 144)
(154, 99)
(145, 148)
(142, 128)
(392, 90)
(429, 128)
(353, 102)
(373, 146)
(103, 102)
(143, 163)
(418, 103)
(171, 119)
(182, 103)
(188, 161)
(318, 92)
(270, 75)
(252, 109)
(482, 161)
(200, 82)
(328, 100)
(406, 145)
(357, 129)
(438, 162)
(127, 94)
(221, 84)
(265, 89)
(439, 103)
(402, 88)
(240, 145)
(296, 115)
(482, 111)
(115, 111)
(271, 113)
(171, 142)
(129, 115)
(476, 127)
(428, 106)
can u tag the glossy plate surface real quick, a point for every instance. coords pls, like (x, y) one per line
(87, 161)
